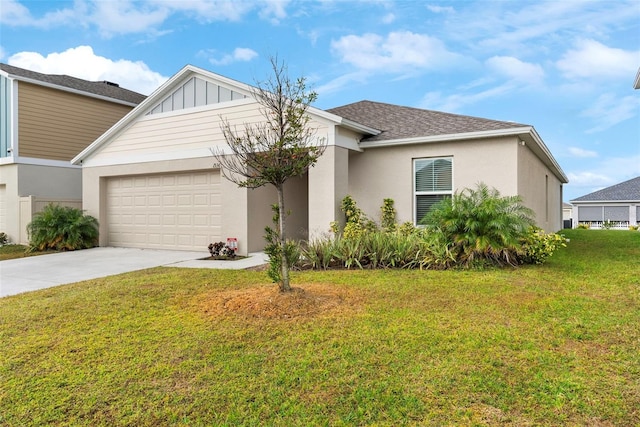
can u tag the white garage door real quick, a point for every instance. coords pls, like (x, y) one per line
(168, 211)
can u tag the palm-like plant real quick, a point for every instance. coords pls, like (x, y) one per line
(62, 228)
(481, 226)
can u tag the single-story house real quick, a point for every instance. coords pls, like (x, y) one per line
(152, 182)
(618, 204)
(46, 120)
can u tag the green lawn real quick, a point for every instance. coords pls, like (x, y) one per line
(17, 251)
(557, 344)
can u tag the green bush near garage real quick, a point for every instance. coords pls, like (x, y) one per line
(62, 228)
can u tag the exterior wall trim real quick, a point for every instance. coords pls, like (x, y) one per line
(39, 162)
(603, 202)
(444, 138)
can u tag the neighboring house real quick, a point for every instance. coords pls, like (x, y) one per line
(45, 120)
(618, 204)
(567, 215)
(152, 182)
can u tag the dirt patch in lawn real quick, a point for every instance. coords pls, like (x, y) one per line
(305, 301)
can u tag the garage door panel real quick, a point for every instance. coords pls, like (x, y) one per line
(171, 211)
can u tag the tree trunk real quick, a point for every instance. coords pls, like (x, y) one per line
(284, 282)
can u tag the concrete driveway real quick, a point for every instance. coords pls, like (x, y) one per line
(44, 271)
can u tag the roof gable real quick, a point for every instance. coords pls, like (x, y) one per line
(399, 122)
(196, 92)
(102, 89)
(179, 93)
(624, 191)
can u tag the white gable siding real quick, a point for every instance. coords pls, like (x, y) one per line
(175, 136)
(195, 92)
(179, 135)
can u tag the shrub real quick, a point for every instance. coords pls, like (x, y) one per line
(62, 228)
(388, 216)
(407, 228)
(375, 249)
(537, 246)
(479, 227)
(356, 222)
(634, 227)
(4, 239)
(318, 254)
(584, 226)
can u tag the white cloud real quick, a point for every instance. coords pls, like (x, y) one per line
(339, 83)
(399, 52)
(83, 63)
(129, 16)
(517, 70)
(240, 54)
(388, 18)
(589, 179)
(514, 75)
(582, 153)
(441, 9)
(207, 10)
(609, 110)
(13, 13)
(125, 17)
(590, 59)
(454, 103)
(607, 172)
(274, 11)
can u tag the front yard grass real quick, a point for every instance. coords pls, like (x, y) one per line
(17, 251)
(557, 344)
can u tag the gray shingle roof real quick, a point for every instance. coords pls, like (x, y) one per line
(398, 122)
(106, 89)
(627, 190)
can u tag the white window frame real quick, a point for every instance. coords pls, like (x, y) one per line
(417, 193)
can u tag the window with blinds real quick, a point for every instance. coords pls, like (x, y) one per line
(433, 181)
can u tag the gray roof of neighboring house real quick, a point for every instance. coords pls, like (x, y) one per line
(102, 88)
(398, 122)
(625, 191)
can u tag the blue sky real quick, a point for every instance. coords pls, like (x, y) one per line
(565, 67)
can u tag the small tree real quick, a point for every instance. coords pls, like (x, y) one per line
(283, 146)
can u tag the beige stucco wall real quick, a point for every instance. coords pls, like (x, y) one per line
(57, 125)
(540, 189)
(328, 184)
(260, 214)
(9, 180)
(233, 198)
(387, 172)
